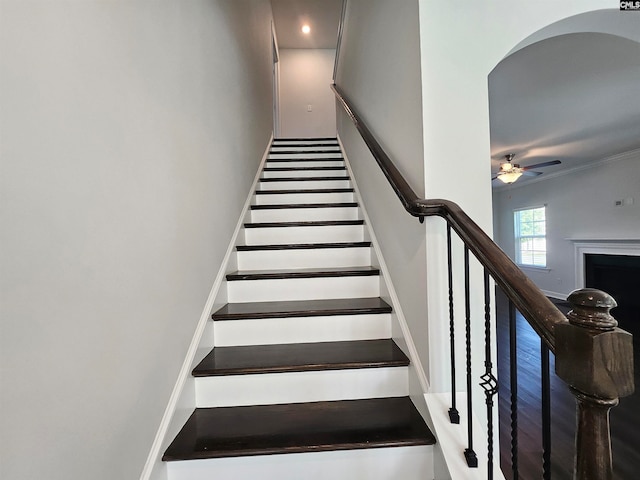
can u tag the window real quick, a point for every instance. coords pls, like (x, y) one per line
(530, 236)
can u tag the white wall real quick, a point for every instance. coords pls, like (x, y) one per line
(305, 77)
(580, 205)
(379, 71)
(131, 132)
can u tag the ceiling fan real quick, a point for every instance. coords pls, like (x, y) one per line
(510, 172)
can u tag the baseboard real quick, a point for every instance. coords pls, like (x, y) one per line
(154, 462)
(452, 441)
(404, 327)
(557, 295)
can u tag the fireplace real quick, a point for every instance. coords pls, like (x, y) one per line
(619, 276)
(612, 266)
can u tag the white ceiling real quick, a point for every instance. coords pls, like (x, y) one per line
(323, 16)
(575, 98)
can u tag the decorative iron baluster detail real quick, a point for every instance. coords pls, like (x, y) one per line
(454, 415)
(513, 378)
(546, 412)
(469, 454)
(489, 382)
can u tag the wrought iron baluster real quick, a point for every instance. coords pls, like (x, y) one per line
(469, 454)
(513, 378)
(546, 412)
(454, 415)
(489, 382)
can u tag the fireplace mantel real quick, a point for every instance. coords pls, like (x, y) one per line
(601, 246)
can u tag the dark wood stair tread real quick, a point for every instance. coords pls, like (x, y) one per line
(304, 205)
(302, 308)
(301, 246)
(301, 357)
(303, 273)
(299, 427)
(318, 223)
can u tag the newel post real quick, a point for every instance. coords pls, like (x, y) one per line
(595, 358)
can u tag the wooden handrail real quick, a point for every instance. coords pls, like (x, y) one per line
(539, 311)
(336, 58)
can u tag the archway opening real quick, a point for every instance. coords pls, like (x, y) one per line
(570, 93)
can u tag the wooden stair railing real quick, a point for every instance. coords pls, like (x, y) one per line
(593, 357)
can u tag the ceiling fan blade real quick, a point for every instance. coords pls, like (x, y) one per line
(529, 173)
(543, 164)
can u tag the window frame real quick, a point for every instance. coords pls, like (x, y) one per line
(519, 236)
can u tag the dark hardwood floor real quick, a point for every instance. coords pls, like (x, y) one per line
(625, 418)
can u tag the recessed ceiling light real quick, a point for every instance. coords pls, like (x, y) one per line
(306, 29)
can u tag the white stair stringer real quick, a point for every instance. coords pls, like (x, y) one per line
(183, 393)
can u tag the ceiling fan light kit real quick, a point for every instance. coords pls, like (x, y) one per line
(509, 177)
(510, 172)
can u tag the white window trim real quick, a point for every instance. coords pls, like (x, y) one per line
(533, 267)
(516, 237)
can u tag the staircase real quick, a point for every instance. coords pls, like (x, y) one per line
(304, 380)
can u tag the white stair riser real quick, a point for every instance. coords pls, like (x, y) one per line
(297, 387)
(323, 234)
(306, 163)
(303, 173)
(409, 463)
(241, 291)
(304, 155)
(272, 331)
(304, 184)
(304, 148)
(304, 214)
(295, 198)
(307, 258)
